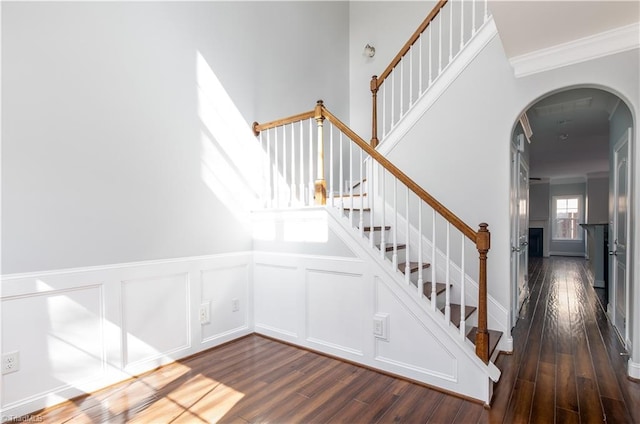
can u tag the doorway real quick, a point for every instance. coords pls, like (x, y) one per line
(577, 151)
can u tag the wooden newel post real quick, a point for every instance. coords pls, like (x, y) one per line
(320, 194)
(374, 120)
(483, 244)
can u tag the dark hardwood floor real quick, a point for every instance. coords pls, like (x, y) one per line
(566, 367)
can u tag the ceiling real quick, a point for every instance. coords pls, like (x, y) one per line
(570, 129)
(526, 26)
(570, 134)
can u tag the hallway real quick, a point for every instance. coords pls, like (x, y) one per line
(566, 365)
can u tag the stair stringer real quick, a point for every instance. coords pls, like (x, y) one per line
(418, 307)
(497, 315)
(440, 85)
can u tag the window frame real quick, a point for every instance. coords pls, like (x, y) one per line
(578, 219)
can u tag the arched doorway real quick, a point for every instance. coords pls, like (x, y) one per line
(570, 184)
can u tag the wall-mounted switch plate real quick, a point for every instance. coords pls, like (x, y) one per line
(381, 326)
(235, 305)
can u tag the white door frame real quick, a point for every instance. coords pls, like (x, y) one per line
(517, 245)
(613, 245)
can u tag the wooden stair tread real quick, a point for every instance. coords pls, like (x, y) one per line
(349, 195)
(494, 338)
(377, 228)
(413, 266)
(455, 313)
(357, 209)
(440, 287)
(389, 248)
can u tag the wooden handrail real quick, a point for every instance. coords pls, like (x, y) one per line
(278, 122)
(407, 46)
(376, 81)
(465, 229)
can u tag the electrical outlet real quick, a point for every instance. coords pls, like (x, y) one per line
(10, 362)
(235, 305)
(205, 315)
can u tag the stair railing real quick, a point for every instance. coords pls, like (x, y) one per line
(296, 173)
(438, 40)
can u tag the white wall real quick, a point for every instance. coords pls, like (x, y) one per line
(107, 154)
(597, 199)
(386, 25)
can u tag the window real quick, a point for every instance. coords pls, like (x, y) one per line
(567, 214)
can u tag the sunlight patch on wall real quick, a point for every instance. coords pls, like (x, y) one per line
(308, 226)
(232, 160)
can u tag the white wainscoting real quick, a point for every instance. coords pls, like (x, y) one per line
(328, 304)
(78, 330)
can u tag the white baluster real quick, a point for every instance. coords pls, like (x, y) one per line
(450, 4)
(341, 178)
(311, 161)
(401, 89)
(301, 187)
(285, 180)
(384, 110)
(274, 171)
(264, 166)
(411, 76)
(473, 18)
(393, 99)
(486, 11)
(433, 260)
(420, 66)
(351, 184)
(371, 172)
(361, 223)
(394, 260)
(331, 164)
(430, 54)
(461, 25)
(382, 209)
(292, 191)
(463, 330)
(439, 44)
(420, 276)
(407, 272)
(447, 304)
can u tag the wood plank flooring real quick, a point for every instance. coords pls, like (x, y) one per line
(565, 368)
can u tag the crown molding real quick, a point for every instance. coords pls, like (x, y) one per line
(592, 47)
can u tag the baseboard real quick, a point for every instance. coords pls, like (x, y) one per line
(633, 370)
(569, 254)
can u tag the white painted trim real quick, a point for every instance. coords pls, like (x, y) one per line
(573, 254)
(448, 75)
(588, 48)
(151, 262)
(633, 370)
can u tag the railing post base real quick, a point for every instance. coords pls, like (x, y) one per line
(320, 195)
(483, 244)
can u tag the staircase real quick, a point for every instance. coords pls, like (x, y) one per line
(313, 159)
(411, 269)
